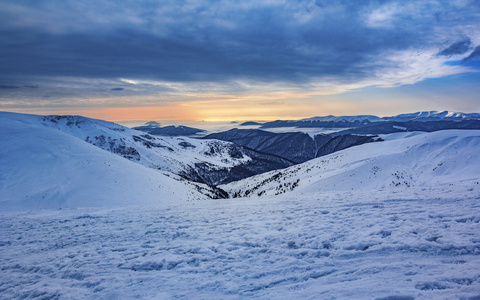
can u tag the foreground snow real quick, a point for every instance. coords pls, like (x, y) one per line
(416, 243)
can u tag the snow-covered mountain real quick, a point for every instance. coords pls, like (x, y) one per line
(433, 116)
(417, 160)
(154, 128)
(410, 126)
(331, 118)
(42, 167)
(368, 120)
(296, 147)
(178, 155)
(204, 161)
(416, 116)
(403, 212)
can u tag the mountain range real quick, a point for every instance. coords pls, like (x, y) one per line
(377, 124)
(218, 165)
(211, 162)
(404, 160)
(94, 210)
(296, 147)
(417, 116)
(155, 128)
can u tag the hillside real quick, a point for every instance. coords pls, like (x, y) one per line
(211, 162)
(173, 154)
(42, 167)
(296, 147)
(421, 159)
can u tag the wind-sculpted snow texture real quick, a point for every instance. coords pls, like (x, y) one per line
(412, 244)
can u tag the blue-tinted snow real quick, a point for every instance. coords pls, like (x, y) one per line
(419, 243)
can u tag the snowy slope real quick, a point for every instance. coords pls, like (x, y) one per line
(42, 167)
(433, 116)
(336, 245)
(420, 160)
(173, 154)
(418, 239)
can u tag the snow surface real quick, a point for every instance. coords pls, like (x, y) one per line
(346, 245)
(398, 219)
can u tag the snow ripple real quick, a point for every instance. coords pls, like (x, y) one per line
(335, 245)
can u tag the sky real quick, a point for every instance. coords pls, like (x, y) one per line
(200, 60)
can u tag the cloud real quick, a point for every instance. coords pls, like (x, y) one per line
(385, 15)
(272, 103)
(474, 54)
(456, 48)
(199, 49)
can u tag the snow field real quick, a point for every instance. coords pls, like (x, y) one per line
(363, 245)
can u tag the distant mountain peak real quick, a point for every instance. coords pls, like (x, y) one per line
(433, 115)
(153, 124)
(331, 121)
(154, 128)
(332, 118)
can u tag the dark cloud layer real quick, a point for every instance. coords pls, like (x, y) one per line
(210, 41)
(474, 55)
(456, 48)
